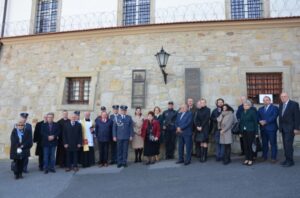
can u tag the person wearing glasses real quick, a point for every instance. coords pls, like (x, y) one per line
(21, 143)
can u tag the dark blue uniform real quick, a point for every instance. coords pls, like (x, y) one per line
(123, 131)
(113, 145)
(169, 118)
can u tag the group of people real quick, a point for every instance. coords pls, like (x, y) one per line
(71, 141)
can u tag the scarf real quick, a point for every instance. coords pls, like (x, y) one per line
(20, 135)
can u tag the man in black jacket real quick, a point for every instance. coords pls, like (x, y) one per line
(289, 119)
(37, 138)
(72, 138)
(50, 132)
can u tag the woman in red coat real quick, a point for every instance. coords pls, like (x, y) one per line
(150, 134)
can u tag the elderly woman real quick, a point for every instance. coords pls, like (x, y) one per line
(225, 123)
(150, 134)
(137, 141)
(249, 129)
(19, 150)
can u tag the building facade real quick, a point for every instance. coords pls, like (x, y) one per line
(53, 65)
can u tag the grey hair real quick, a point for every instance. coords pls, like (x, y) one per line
(51, 114)
(248, 102)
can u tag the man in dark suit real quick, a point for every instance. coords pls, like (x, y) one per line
(184, 131)
(27, 129)
(50, 132)
(289, 118)
(267, 116)
(72, 138)
(37, 138)
(61, 151)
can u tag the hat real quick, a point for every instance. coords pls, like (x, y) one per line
(115, 107)
(123, 107)
(171, 103)
(77, 113)
(24, 115)
(103, 108)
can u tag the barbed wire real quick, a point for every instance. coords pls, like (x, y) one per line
(194, 12)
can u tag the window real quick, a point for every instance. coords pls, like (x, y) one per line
(46, 18)
(78, 90)
(136, 12)
(241, 9)
(264, 83)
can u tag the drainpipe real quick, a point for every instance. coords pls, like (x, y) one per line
(4, 18)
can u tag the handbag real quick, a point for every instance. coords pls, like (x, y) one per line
(256, 145)
(236, 128)
(13, 166)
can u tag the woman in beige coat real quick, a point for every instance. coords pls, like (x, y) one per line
(225, 123)
(138, 141)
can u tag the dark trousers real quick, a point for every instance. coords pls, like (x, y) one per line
(227, 152)
(113, 152)
(187, 142)
(122, 146)
(72, 159)
(19, 167)
(41, 161)
(269, 136)
(248, 138)
(170, 143)
(61, 155)
(88, 157)
(49, 157)
(242, 145)
(288, 140)
(103, 152)
(219, 147)
(25, 164)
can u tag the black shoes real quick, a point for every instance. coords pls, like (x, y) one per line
(287, 164)
(187, 163)
(46, 171)
(179, 162)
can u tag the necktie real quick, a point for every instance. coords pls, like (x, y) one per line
(50, 127)
(182, 115)
(283, 108)
(266, 108)
(123, 116)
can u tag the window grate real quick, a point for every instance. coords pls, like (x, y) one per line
(136, 12)
(241, 9)
(79, 90)
(264, 83)
(46, 18)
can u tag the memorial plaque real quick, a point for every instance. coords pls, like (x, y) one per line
(192, 83)
(138, 88)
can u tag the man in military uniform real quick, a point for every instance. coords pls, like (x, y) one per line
(113, 144)
(122, 133)
(27, 129)
(169, 118)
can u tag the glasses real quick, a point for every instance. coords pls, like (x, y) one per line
(20, 125)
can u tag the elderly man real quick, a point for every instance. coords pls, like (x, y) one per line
(267, 116)
(37, 138)
(88, 152)
(184, 130)
(72, 137)
(289, 125)
(61, 151)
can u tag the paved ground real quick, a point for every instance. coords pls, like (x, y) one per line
(164, 179)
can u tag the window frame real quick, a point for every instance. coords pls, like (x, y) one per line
(81, 90)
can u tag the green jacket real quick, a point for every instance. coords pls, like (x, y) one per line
(249, 121)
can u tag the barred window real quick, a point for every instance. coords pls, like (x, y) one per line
(46, 17)
(241, 9)
(78, 90)
(136, 12)
(264, 83)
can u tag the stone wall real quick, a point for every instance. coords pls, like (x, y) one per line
(33, 68)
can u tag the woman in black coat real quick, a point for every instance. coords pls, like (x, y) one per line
(201, 121)
(20, 148)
